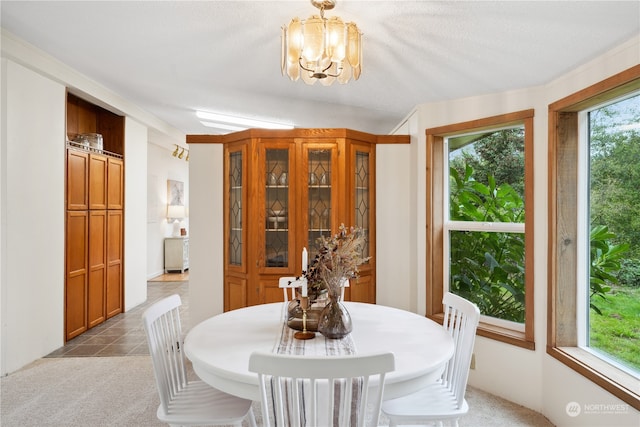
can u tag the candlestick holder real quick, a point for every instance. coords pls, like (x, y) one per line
(304, 334)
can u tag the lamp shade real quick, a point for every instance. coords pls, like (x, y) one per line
(175, 212)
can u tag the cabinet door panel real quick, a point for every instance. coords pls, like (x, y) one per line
(97, 267)
(97, 182)
(114, 295)
(76, 272)
(77, 180)
(114, 289)
(361, 289)
(115, 185)
(272, 292)
(235, 293)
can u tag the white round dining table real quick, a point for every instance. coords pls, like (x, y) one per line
(219, 347)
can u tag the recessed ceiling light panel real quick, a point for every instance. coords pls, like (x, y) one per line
(223, 121)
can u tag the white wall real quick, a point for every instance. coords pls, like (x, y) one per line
(162, 166)
(206, 288)
(394, 213)
(543, 383)
(135, 213)
(32, 201)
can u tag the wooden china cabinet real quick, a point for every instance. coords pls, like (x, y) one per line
(283, 190)
(94, 224)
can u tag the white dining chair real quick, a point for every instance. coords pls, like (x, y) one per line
(443, 400)
(184, 401)
(298, 390)
(289, 284)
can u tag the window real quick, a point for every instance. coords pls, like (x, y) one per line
(579, 167)
(479, 218)
(610, 188)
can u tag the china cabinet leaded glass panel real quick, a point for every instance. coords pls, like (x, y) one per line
(277, 208)
(235, 208)
(362, 203)
(319, 197)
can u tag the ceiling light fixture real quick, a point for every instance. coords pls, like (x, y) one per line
(232, 123)
(321, 49)
(180, 154)
(222, 126)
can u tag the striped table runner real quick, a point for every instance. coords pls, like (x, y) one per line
(319, 346)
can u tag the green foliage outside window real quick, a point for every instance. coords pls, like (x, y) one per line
(487, 267)
(605, 263)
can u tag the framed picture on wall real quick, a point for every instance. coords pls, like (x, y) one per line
(175, 193)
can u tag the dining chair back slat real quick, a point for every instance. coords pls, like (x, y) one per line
(300, 390)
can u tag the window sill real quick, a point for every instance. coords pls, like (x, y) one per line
(505, 335)
(617, 382)
(497, 333)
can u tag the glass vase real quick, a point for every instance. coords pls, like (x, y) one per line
(334, 321)
(317, 301)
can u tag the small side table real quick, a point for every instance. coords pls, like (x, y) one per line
(176, 254)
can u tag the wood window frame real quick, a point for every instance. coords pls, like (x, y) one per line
(435, 222)
(562, 299)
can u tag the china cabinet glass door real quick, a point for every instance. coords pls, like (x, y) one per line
(319, 197)
(362, 201)
(235, 208)
(277, 208)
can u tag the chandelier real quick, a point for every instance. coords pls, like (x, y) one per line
(321, 49)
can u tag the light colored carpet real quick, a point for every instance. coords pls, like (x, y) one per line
(120, 391)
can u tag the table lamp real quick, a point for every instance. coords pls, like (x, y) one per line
(175, 213)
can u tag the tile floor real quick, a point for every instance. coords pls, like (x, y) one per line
(123, 334)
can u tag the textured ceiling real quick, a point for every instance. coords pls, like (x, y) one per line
(173, 57)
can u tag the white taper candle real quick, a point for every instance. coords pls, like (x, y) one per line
(305, 265)
(305, 260)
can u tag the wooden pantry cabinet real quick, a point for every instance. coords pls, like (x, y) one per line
(282, 191)
(94, 219)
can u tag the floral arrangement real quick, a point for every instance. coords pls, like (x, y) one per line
(338, 257)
